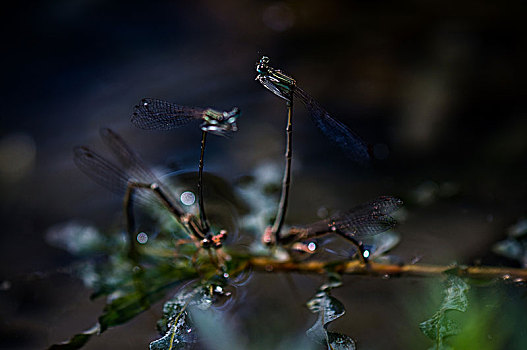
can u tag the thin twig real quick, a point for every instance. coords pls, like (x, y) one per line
(375, 269)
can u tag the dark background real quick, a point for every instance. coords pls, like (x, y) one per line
(438, 84)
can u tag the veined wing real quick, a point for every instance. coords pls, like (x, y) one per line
(366, 225)
(116, 178)
(130, 160)
(100, 170)
(364, 220)
(383, 205)
(154, 114)
(354, 147)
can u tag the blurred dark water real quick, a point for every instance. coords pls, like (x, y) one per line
(439, 85)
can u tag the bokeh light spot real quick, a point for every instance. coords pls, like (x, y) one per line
(188, 198)
(142, 238)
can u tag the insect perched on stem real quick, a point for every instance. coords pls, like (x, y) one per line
(154, 114)
(364, 220)
(136, 182)
(285, 87)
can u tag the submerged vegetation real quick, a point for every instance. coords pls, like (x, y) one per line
(208, 257)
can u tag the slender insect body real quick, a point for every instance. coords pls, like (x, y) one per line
(275, 80)
(220, 123)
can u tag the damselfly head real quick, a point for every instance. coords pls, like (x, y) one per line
(262, 66)
(220, 123)
(274, 80)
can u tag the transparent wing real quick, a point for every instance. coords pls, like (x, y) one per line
(130, 160)
(363, 220)
(366, 225)
(356, 149)
(101, 170)
(154, 114)
(383, 205)
(117, 178)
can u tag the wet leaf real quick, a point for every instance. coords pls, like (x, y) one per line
(176, 325)
(328, 309)
(439, 326)
(77, 341)
(334, 281)
(179, 335)
(455, 295)
(327, 306)
(337, 341)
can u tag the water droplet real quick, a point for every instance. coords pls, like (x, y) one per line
(187, 198)
(142, 238)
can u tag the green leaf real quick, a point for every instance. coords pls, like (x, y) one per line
(439, 326)
(176, 323)
(328, 309)
(327, 306)
(149, 286)
(455, 295)
(334, 281)
(178, 336)
(317, 332)
(337, 341)
(77, 341)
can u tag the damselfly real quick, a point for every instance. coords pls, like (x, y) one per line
(362, 221)
(285, 87)
(154, 114)
(135, 181)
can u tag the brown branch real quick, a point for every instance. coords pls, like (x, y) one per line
(375, 269)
